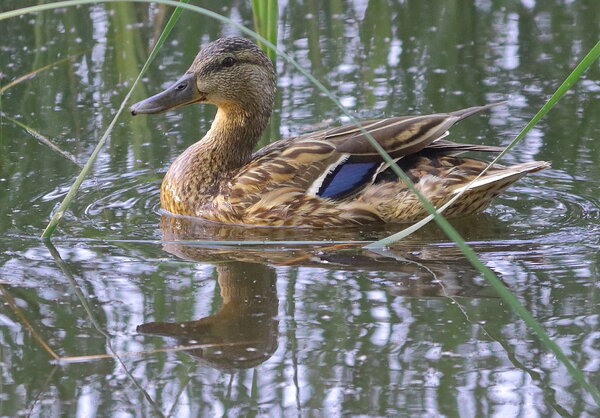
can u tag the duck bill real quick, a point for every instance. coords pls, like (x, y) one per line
(183, 92)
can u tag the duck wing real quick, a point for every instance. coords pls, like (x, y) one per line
(339, 162)
(399, 136)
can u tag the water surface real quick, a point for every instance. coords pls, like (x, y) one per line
(285, 325)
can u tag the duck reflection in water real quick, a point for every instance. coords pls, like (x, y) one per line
(243, 333)
(415, 267)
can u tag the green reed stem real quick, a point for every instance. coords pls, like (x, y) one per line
(39, 70)
(442, 222)
(57, 216)
(585, 63)
(41, 138)
(494, 281)
(266, 18)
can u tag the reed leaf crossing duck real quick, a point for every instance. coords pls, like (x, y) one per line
(332, 177)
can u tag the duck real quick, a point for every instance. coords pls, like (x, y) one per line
(330, 178)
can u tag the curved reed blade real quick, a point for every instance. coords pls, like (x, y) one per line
(39, 70)
(89, 164)
(44, 140)
(17, 311)
(583, 65)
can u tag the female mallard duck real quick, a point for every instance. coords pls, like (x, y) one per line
(331, 177)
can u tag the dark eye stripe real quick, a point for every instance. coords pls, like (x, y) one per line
(215, 66)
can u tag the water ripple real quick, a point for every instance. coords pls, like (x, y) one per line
(540, 209)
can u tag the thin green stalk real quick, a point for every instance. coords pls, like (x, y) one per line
(44, 140)
(494, 281)
(549, 392)
(514, 303)
(257, 18)
(585, 63)
(265, 16)
(272, 24)
(36, 72)
(90, 163)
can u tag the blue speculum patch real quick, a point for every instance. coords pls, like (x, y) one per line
(346, 178)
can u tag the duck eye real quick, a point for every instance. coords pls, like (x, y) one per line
(228, 61)
(181, 87)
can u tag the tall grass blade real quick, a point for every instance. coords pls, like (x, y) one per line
(512, 301)
(444, 225)
(43, 140)
(17, 311)
(37, 71)
(491, 333)
(516, 306)
(90, 163)
(585, 63)
(272, 25)
(266, 18)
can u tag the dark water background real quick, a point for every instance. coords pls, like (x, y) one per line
(290, 328)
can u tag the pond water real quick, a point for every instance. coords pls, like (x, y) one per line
(149, 324)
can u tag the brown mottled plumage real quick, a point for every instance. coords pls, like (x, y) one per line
(331, 177)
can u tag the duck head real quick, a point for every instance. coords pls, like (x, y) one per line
(231, 73)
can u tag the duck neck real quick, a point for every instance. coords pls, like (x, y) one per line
(232, 136)
(226, 147)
